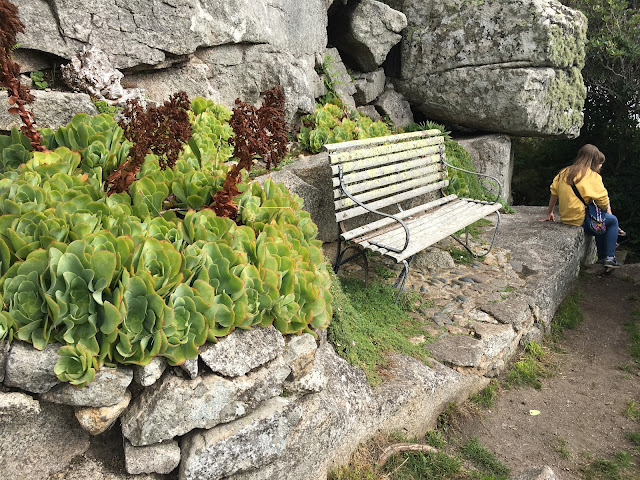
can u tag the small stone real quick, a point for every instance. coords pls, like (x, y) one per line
(462, 298)
(440, 319)
(480, 278)
(422, 289)
(158, 458)
(516, 265)
(149, 374)
(190, 366)
(242, 351)
(14, 404)
(449, 307)
(109, 387)
(467, 280)
(431, 270)
(98, 420)
(300, 355)
(30, 369)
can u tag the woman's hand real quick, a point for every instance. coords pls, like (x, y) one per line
(550, 218)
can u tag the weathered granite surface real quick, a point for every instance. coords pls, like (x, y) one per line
(511, 67)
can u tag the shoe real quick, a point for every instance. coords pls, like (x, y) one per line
(610, 263)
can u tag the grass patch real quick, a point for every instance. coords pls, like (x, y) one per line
(568, 316)
(632, 326)
(634, 437)
(384, 272)
(445, 419)
(461, 256)
(487, 397)
(561, 448)
(423, 466)
(529, 369)
(484, 459)
(367, 325)
(476, 228)
(451, 462)
(609, 469)
(632, 411)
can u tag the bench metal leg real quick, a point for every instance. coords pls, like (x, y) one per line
(402, 278)
(465, 244)
(340, 261)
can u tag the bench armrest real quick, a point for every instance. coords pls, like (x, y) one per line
(474, 173)
(387, 247)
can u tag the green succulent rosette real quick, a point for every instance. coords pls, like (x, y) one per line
(160, 263)
(192, 307)
(7, 327)
(25, 301)
(79, 279)
(145, 317)
(76, 365)
(205, 226)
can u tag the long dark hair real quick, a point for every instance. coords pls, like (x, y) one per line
(589, 157)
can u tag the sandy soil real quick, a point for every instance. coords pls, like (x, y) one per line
(582, 406)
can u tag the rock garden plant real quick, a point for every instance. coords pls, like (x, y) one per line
(131, 240)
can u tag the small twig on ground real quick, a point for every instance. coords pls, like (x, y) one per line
(396, 448)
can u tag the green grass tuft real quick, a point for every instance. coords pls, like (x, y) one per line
(487, 397)
(609, 469)
(367, 325)
(484, 459)
(568, 316)
(529, 369)
(632, 326)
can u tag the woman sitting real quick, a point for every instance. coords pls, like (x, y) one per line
(584, 174)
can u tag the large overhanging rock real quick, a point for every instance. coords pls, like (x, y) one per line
(219, 50)
(154, 33)
(512, 67)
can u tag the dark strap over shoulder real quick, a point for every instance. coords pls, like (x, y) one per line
(575, 190)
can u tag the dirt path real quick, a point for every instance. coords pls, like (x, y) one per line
(581, 407)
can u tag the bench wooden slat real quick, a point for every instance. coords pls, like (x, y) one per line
(435, 232)
(429, 173)
(360, 231)
(381, 160)
(388, 150)
(367, 194)
(430, 161)
(385, 202)
(370, 142)
(457, 210)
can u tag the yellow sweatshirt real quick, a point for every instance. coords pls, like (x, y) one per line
(571, 208)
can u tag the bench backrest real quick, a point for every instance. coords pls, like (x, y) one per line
(384, 171)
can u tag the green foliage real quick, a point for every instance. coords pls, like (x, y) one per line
(613, 468)
(103, 107)
(568, 315)
(331, 124)
(125, 277)
(484, 459)
(368, 325)
(529, 369)
(487, 397)
(632, 326)
(76, 365)
(38, 80)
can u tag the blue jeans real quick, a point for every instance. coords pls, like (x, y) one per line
(605, 242)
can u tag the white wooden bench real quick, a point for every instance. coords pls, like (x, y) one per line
(374, 173)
